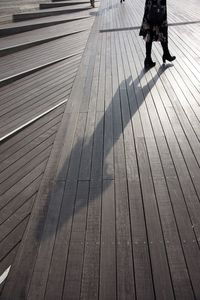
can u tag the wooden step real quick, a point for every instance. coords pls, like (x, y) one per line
(43, 35)
(9, 7)
(20, 64)
(23, 26)
(50, 12)
(61, 4)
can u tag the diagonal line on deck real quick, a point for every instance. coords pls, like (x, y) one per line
(138, 27)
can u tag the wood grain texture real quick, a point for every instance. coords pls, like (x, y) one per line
(119, 217)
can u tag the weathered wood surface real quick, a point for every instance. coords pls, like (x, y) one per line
(37, 99)
(120, 218)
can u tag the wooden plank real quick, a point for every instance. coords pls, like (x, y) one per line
(107, 284)
(42, 75)
(76, 151)
(16, 218)
(21, 282)
(160, 268)
(44, 33)
(18, 62)
(56, 276)
(183, 220)
(22, 184)
(151, 219)
(28, 100)
(152, 207)
(72, 107)
(26, 154)
(22, 138)
(22, 119)
(91, 263)
(180, 165)
(13, 238)
(74, 266)
(108, 163)
(86, 159)
(59, 92)
(186, 230)
(142, 265)
(10, 28)
(32, 237)
(97, 154)
(49, 12)
(22, 172)
(101, 87)
(6, 263)
(41, 268)
(19, 200)
(160, 187)
(36, 137)
(125, 276)
(88, 83)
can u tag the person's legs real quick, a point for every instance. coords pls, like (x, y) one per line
(166, 53)
(92, 3)
(148, 63)
(148, 49)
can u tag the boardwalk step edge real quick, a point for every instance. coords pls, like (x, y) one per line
(23, 28)
(15, 77)
(19, 47)
(9, 134)
(42, 14)
(61, 4)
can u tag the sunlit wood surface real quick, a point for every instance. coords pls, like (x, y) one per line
(115, 205)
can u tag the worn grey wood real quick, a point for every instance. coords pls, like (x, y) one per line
(91, 263)
(22, 40)
(107, 284)
(28, 261)
(117, 214)
(50, 12)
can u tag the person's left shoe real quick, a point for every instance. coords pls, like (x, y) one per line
(149, 63)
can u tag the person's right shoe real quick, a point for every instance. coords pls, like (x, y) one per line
(149, 63)
(168, 57)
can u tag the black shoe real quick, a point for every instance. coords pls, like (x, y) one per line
(168, 57)
(149, 63)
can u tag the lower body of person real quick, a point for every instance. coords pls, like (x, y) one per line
(92, 3)
(149, 63)
(155, 33)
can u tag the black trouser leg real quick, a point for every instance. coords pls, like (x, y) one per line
(148, 63)
(148, 49)
(165, 48)
(166, 53)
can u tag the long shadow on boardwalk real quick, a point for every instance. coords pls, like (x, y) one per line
(69, 199)
(93, 153)
(68, 204)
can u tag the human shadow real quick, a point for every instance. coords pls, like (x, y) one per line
(72, 190)
(87, 161)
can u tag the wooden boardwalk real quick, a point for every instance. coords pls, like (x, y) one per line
(115, 208)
